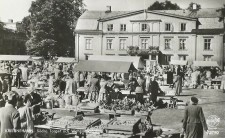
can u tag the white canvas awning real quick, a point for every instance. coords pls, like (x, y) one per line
(135, 60)
(15, 57)
(206, 63)
(37, 58)
(105, 66)
(178, 62)
(65, 60)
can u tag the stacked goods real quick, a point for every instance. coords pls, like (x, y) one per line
(124, 125)
(77, 122)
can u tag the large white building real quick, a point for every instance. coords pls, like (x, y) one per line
(174, 34)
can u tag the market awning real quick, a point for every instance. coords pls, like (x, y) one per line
(206, 63)
(178, 62)
(104, 66)
(37, 58)
(15, 57)
(65, 59)
(135, 60)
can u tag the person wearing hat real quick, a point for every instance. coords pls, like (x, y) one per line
(154, 90)
(94, 88)
(194, 120)
(10, 117)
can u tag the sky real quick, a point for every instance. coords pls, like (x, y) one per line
(17, 9)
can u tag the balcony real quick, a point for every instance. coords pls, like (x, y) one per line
(136, 51)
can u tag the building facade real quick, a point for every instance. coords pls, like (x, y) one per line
(12, 39)
(174, 34)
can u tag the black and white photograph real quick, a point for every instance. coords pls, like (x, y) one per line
(112, 69)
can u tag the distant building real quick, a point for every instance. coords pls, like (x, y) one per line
(161, 35)
(12, 38)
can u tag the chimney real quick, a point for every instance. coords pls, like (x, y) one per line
(108, 8)
(194, 6)
(10, 20)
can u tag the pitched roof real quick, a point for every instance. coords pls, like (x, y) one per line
(201, 13)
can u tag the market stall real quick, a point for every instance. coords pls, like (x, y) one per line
(15, 57)
(65, 60)
(105, 66)
(178, 62)
(212, 83)
(136, 60)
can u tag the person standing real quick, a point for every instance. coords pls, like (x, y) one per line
(194, 120)
(94, 88)
(4, 84)
(10, 117)
(154, 90)
(71, 85)
(147, 82)
(178, 82)
(222, 87)
(170, 77)
(140, 89)
(26, 116)
(102, 92)
(18, 76)
(24, 71)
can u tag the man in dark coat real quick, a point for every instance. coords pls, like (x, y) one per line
(9, 117)
(154, 90)
(194, 121)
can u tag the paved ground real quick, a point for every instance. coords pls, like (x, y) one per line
(212, 101)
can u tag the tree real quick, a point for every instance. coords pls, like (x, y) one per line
(167, 5)
(190, 7)
(50, 27)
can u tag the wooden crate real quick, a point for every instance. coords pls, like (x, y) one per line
(124, 112)
(141, 113)
(131, 129)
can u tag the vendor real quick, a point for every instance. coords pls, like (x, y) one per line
(140, 89)
(154, 90)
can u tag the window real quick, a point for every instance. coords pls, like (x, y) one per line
(183, 26)
(123, 27)
(207, 44)
(207, 58)
(182, 44)
(123, 44)
(167, 43)
(109, 44)
(110, 27)
(182, 57)
(144, 43)
(168, 58)
(153, 57)
(88, 44)
(167, 27)
(143, 27)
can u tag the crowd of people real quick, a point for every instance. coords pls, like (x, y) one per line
(61, 78)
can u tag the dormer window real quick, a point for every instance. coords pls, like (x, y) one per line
(168, 27)
(110, 27)
(123, 27)
(183, 26)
